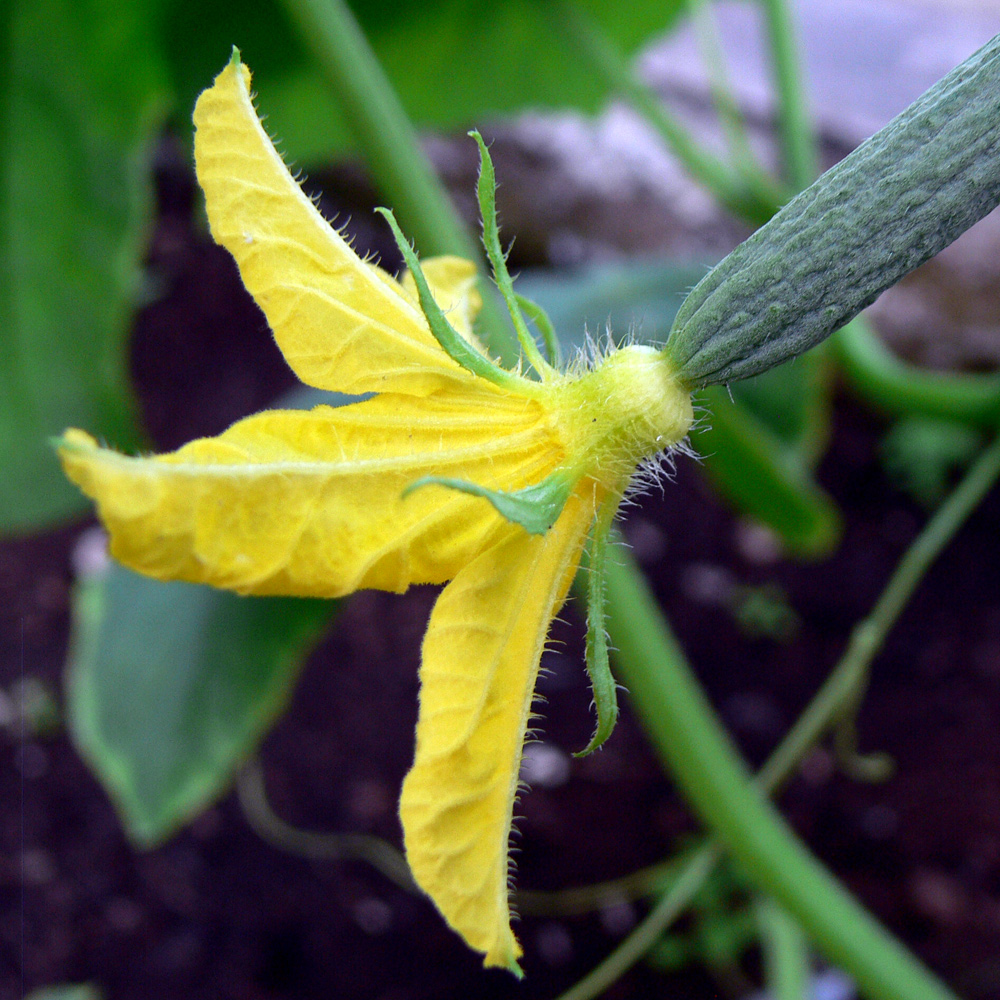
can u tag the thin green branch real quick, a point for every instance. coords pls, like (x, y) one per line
(378, 853)
(867, 638)
(389, 144)
(869, 635)
(699, 755)
(590, 44)
(673, 903)
(742, 156)
(798, 145)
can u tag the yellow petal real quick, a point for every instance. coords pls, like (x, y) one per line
(453, 282)
(480, 662)
(341, 323)
(310, 503)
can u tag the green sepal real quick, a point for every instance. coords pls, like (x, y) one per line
(535, 508)
(451, 341)
(602, 682)
(540, 318)
(486, 189)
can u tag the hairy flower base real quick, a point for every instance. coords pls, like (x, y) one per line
(414, 485)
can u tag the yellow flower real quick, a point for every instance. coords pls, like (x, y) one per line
(455, 470)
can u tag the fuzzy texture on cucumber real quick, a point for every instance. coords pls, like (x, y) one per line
(897, 200)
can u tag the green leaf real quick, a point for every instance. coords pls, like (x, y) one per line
(924, 454)
(635, 300)
(172, 685)
(748, 464)
(80, 99)
(461, 60)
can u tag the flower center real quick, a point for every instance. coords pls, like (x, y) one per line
(630, 407)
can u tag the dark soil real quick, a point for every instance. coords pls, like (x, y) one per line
(217, 912)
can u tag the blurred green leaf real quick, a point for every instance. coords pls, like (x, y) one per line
(454, 60)
(83, 991)
(924, 455)
(757, 454)
(454, 63)
(81, 96)
(747, 462)
(793, 401)
(634, 300)
(172, 685)
(721, 929)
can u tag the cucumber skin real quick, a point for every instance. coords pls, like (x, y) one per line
(897, 200)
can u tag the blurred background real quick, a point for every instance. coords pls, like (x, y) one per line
(129, 866)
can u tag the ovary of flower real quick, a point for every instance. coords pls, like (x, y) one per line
(321, 503)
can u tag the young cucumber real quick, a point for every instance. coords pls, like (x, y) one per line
(898, 199)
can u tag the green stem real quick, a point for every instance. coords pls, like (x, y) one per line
(939, 531)
(839, 692)
(786, 953)
(699, 755)
(706, 35)
(827, 705)
(389, 144)
(381, 127)
(603, 58)
(798, 145)
(900, 388)
(869, 635)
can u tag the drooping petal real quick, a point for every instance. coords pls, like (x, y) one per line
(341, 323)
(480, 663)
(310, 503)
